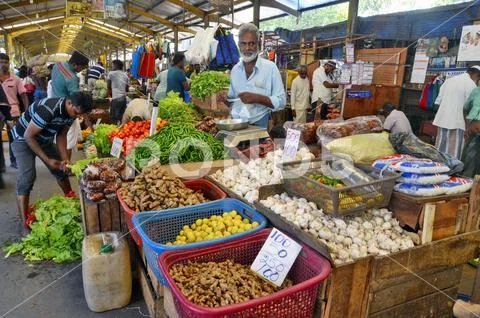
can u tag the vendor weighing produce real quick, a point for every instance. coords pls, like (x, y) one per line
(256, 87)
(34, 136)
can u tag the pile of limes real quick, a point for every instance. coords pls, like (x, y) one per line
(216, 226)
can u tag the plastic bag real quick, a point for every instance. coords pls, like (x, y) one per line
(452, 186)
(423, 179)
(362, 148)
(405, 163)
(354, 126)
(471, 157)
(308, 131)
(409, 144)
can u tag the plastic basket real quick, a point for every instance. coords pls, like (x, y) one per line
(308, 271)
(211, 191)
(156, 228)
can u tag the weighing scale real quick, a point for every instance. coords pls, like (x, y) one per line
(232, 139)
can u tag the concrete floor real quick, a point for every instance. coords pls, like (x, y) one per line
(44, 289)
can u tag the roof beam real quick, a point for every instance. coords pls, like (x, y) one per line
(112, 28)
(36, 29)
(277, 5)
(141, 28)
(163, 21)
(28, 17)
(18, 4)
(199, 12)
(125, 39)
(99, 36)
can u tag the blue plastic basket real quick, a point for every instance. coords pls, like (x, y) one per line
(158, 228)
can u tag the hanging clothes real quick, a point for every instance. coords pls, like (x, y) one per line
(227, 51)
(147, 64)
(430, 93)
(136, 61)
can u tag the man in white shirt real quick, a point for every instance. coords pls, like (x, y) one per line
(117, 83)
(137, 110)
(300, 95)
(395, 120)
(322, 82)
(449, 118)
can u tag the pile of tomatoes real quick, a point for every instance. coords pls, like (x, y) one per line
(132, 133)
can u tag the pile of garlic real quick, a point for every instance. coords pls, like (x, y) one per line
(246, 178)
(374, 232)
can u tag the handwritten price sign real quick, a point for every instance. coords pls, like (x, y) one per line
(276, 257)
(116, 147)
(291, 144)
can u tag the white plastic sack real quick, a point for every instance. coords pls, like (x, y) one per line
(418, 178)
(405, 163)
(201, 49)
(74, 134)
(452, 186)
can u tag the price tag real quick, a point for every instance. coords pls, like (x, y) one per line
(276, 257)
(116, 147)
(291, 144)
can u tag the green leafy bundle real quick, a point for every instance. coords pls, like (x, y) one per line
(56, 234)
(179, 141)
(100, 138)
(173, 109)
(79, 165)
(208, 83)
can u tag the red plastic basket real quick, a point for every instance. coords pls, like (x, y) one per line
(308, 271)
(211, 191)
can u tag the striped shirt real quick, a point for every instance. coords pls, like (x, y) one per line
(49, 114)
(96, 71)
(64, 80)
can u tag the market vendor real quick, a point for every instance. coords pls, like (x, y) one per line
(449, 118)
(33, 137)
(137, 110)
(322, 82)
(395, 120)
(255, 83)
(471, 153)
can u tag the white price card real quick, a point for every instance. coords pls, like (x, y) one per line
(291, 144)
(276, 257)
(116, 147)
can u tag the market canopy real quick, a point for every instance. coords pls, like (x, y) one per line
(42, 26)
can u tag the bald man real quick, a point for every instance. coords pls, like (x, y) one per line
(300, 95)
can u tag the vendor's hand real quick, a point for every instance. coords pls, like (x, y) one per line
(55, 164)
(248, 98)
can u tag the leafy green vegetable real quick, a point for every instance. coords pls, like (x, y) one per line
(173, 109)
(100, 138)
(177, 140)
(208, 83)
(79, 165)
(56, 234)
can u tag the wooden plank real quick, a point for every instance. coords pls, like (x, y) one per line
(115, 214)
(450, 252)
(396, 291)
(438, 305)
(348, 291)
(169, 304)
(82, 210)
(157, 286)
(445, 222)
(154, 304)
(427, 226)
(92, 224)
(461, 220)
(105, 216)
(422, 200)
(406, 212)
(474, 208)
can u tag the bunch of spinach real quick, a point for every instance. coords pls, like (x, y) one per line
(208, 83)
(56, 234)
(100, 138)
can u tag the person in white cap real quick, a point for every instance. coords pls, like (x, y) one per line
(322, 82)
(300, 95)
(449, 118)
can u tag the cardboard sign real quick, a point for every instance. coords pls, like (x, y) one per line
(116, 147)
(291, 144)
(276, 257)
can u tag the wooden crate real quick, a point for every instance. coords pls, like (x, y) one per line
(213, 102)
(411, 283)
(102, 216)
(152, 299)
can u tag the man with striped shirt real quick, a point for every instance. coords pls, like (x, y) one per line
(33, 137)
(94, 73)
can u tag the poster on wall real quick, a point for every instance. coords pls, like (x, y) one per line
(469, 49)
(115, 9)
(420, 65)
(84, 8)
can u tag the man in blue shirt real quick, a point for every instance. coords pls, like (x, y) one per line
(44, 120)
(176, 78)
(255, 83)
(64, 75)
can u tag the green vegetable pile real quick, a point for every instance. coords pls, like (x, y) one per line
(100, 138)
(56, 234)
(173, 109)
(79, 165)
(208, 83)
(179, 141)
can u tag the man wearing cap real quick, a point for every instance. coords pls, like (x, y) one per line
(449, 118)
(300, 95)
(322, 82)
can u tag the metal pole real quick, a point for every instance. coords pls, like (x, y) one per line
(352, 17)
(175, 38)
(256, 12)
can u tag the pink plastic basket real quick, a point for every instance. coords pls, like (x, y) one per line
(308, 271)
(211, 191)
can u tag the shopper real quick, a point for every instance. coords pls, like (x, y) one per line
(300, 95)
(255, 83)
(322, 82)
(64, 83)
(161, 91)
(137, 110)
(176, 78)
(471, 153)
(117, 82)
(449, 118)
(34, 134)
(12, 87)
(395, 120)
(95, 73)
(41, 83)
